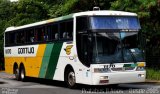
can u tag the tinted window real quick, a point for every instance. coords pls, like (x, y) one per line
(66, 30)
(41, 34)
(30, 36)
(115, 23)
(81, 23)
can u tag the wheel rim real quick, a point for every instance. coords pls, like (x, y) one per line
(22, 74)
(71, 79)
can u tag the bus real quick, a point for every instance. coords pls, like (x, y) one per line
(99, 47)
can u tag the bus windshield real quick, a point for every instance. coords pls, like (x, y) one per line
(119, 47)
(114, 22)
(109, 40)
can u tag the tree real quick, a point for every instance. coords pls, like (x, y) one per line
(20, 13)
(149, 13)
(64, 7)
(29, 11)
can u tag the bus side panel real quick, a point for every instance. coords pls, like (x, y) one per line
(68, 56)
(53, 60)
(45, 60)
(33, 64)
(9, 62)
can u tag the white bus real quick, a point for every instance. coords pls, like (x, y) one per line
(92, 47)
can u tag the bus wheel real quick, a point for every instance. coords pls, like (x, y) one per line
(16, 72)
(22, 74)
(71, 80)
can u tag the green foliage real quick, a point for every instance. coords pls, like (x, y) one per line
(149, 13)
(141, 7)
(62, 8)
(147, 10)
(20, 13)
(30, 9)
(153, 74)
(104, 4)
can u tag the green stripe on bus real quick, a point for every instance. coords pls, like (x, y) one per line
(67, 17)
(63, 17)
(53, 60)
(127, 65)
(45, 60)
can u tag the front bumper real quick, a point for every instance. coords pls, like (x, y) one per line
(118, 77)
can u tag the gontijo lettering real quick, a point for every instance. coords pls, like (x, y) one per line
(8, 51)
(26, 50)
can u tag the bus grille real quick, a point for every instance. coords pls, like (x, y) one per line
(123, 69)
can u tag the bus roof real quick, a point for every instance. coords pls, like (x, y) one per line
(105, 12)
(86, 13)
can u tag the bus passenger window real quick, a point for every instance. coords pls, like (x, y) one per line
(69, 29)
(46, 37)
(66, 30)
(40, 34)
(54, 32)
(48, 32)
(30, 38)
(56, 36)
(62, 30)
(7, 40)
(35, 36)
(16, 38)
(12, 38)
(22, 37)
(65, 35)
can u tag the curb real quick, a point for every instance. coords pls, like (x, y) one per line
(8, 77)
(5, 75)
(152, 81)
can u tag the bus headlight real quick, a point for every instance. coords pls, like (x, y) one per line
(141, 75)
(101, 70)
(103, 77)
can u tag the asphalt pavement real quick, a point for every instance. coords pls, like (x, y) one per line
(8, 85)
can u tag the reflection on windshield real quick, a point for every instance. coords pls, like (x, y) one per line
(130, 45)
(116, 47)
(106, 47)
(130, 23)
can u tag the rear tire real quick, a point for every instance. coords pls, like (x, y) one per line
(70, 79)
(22, 74)
(16, 73)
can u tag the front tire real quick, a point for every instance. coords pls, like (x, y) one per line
(71, 79)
